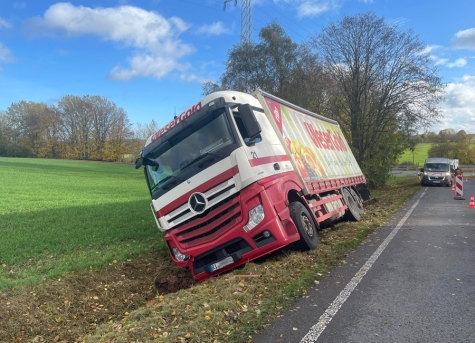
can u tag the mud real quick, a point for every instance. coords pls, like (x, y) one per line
(70, 307)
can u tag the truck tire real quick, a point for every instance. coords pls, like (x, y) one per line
(353, 212)
(305, 225)
(359, 201)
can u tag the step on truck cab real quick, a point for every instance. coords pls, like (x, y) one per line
(237, 176)
(438, 171)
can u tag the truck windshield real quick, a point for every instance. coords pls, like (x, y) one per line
(441, 167)
(195, 146)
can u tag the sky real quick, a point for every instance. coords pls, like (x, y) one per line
(151, 57)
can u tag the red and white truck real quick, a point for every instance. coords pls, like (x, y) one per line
(238, 176)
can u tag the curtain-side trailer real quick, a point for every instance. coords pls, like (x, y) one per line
(238, 176)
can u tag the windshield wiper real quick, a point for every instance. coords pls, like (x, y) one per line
(165, 179)
(196, 159)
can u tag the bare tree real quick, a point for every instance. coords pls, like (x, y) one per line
(384, 87)
(33, 126)
(76, 125)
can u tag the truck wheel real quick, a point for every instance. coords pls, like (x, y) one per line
(305, 225)
(359, 201)
(353, 212)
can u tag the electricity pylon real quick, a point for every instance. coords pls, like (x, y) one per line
(246, 19)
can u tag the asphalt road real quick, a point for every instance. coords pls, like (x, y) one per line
(411, 281)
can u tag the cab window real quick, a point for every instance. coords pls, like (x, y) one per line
(242, 130)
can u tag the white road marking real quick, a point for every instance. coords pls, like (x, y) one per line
(332, 310)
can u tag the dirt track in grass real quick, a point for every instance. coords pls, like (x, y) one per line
(66, 309)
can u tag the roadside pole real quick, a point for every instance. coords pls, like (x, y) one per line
(459, 188)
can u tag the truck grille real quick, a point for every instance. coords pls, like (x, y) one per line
(183, 214)
(211, 224)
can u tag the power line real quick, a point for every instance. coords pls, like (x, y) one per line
(305, 5)
(297, 33)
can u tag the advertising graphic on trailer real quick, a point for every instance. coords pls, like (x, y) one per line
(317, 146)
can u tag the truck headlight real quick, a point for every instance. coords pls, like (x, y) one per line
(425, 173)
(256, 215)
(179, 256)
(447, 174)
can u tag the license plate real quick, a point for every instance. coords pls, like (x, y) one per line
(221, 264)
(436, 181)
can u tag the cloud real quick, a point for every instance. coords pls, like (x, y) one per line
(5, 54)
(464, 39)
(154, 38)
(145, 65)
(469, 80)
(312, 8)
(459, 62)
(439, 61)
(4, 24)
(215, 29)
(429, 48)
(459, 106)
(195, 78)
(19, 5)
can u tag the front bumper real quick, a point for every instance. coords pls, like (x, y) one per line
(436, 182)
(220, 243)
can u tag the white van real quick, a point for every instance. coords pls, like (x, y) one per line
(437, 171)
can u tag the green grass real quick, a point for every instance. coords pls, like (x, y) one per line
(61, 216)
(419, 156)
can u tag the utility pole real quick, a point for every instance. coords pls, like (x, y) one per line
(246, 19)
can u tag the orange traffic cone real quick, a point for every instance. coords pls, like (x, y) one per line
(472, 202)
(453, 186)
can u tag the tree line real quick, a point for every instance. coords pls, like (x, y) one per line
(445, 135)
(90, 127)
(374, 79)
(454, 145)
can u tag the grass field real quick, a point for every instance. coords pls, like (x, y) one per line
(62, 216)
(419, 156)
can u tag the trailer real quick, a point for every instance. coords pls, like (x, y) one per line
(238, 176)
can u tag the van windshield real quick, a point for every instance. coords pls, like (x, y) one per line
(441, 167)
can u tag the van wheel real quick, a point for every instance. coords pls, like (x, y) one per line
(353, 212)
(305, 225)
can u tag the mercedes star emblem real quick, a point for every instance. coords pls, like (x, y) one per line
(197, 203)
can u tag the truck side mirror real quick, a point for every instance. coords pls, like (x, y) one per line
(145, 161)
(421, 170)
(249, 120)
(138, 162)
